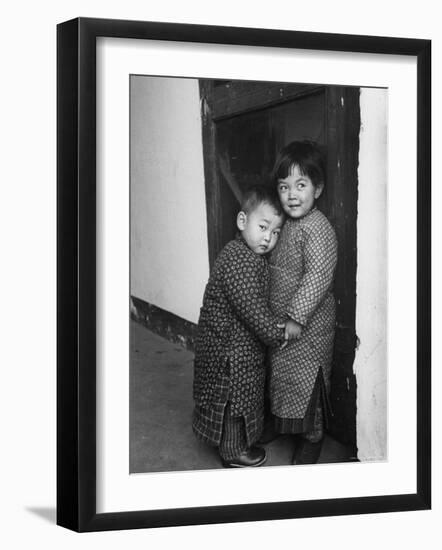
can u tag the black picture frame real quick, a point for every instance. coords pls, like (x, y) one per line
(76, 274)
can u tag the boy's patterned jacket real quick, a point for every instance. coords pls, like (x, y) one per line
(234, 326)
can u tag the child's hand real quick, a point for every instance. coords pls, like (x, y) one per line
(292, 331)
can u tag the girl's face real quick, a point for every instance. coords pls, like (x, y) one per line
(297, 193)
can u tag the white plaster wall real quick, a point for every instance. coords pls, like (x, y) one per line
(169, 254)
(370, 364)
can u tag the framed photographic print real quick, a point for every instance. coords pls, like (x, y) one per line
(168, 136)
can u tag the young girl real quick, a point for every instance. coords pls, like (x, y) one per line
(302, 268)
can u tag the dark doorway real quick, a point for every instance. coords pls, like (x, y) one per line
(244, 126)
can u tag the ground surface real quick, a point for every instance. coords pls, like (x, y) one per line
(161, 437)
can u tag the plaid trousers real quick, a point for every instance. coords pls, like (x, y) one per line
(234, 437)
(209, 423)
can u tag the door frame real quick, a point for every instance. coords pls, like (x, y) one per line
(221, 99)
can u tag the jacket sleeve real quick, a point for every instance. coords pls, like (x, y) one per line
(320, 258)
(246, 288)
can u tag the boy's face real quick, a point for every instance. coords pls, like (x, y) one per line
(297, 193)
(260, 228)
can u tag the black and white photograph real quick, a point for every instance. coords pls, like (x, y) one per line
(221, 254)
(258, 274)
(250, 222)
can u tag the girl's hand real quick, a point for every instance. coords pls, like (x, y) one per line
(292, 331)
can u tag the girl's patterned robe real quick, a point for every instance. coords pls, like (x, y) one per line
(234, 326)
(301, 272)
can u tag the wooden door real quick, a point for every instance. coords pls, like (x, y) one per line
(245, 124)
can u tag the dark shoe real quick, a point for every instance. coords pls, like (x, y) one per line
(254, 456)
(268, 435)
(307, 452)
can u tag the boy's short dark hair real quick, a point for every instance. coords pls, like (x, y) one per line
(255, 195)
(307, 155)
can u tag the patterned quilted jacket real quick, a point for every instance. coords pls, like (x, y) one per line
(302, 268)
(234, 327)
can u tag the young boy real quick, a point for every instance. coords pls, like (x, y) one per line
(234, 327)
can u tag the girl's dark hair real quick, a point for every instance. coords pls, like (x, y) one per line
(307, 155)
(255, 195)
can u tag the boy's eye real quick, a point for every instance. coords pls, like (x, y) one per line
(262, 227)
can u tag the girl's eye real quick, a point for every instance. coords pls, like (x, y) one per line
(276, 233)
(262, 227)
(282, 188)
